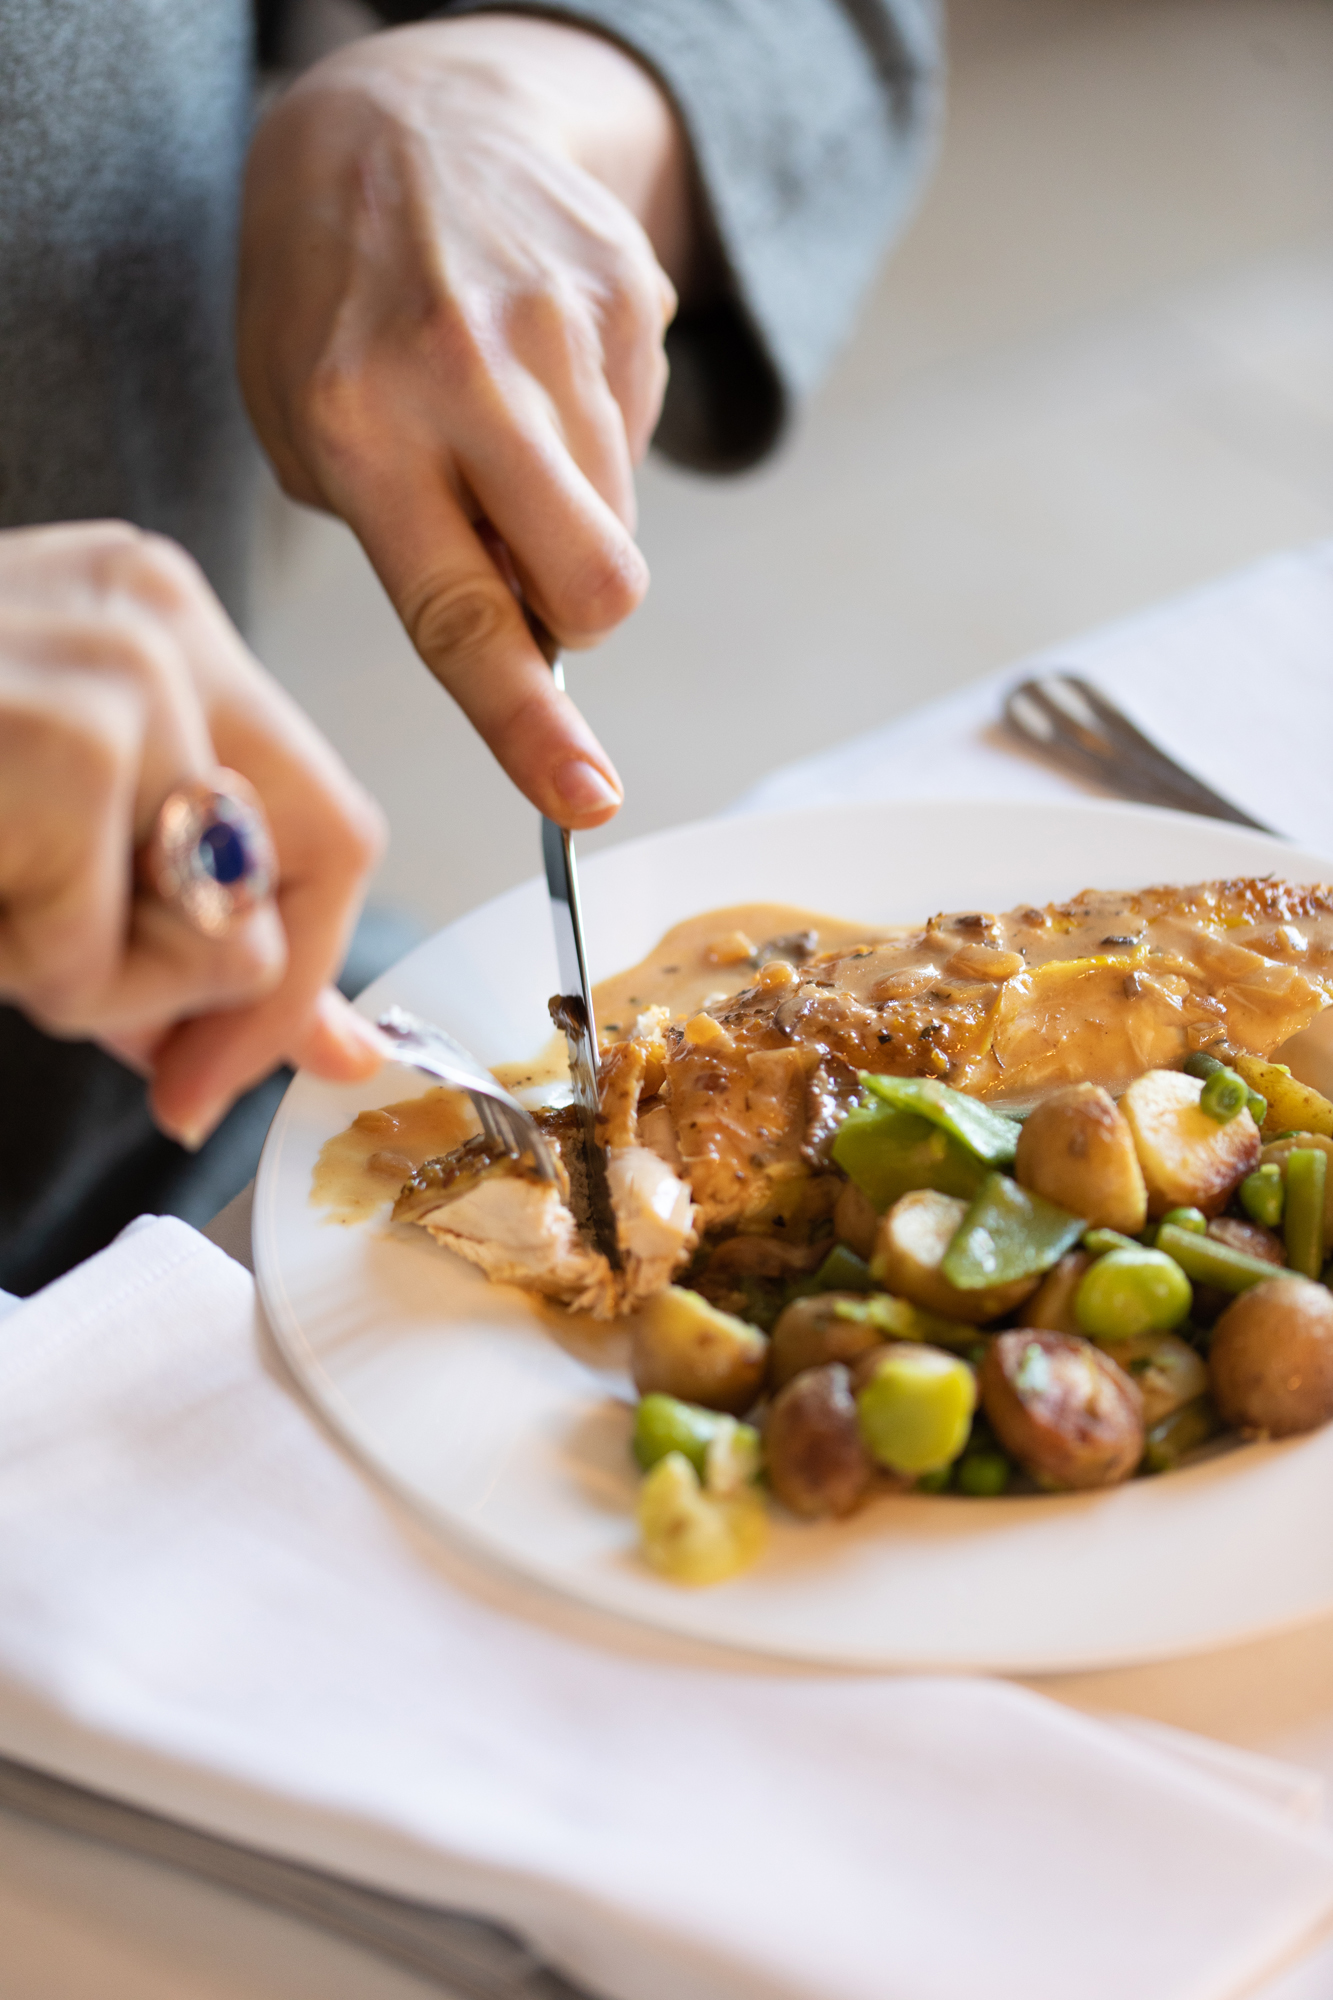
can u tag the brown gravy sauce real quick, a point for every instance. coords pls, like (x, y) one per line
(689, 965)
(362, 1168)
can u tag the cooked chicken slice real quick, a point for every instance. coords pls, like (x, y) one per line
(1007, 1007)
(500, 1213)
(654, 1220)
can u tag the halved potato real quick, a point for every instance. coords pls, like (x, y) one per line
(855, 1220)
(1052, 1304)
(1166, 1370)
(683, 1346)
(1188, 1159)
(1062, 1408)
(810, 1332)
(1078, 1151)
(910, 1247)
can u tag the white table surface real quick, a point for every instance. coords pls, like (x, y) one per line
(81, 1922)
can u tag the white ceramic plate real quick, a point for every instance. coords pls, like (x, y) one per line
(454, 1391)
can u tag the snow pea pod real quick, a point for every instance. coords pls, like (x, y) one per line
(988, 1134)
(889, 1152)
(1008, 1233)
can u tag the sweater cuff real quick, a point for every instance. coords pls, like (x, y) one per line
(811, 124)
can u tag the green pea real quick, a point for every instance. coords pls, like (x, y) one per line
(1129, 1292)
(982, 1475)
(1187, 1218)
(1262, 1195)
(936, 1481)
(1225, 1096)
(915, 1412)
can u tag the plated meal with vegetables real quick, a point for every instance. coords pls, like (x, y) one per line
(1000, 1204)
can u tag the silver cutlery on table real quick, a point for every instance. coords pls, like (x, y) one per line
(505, 1121)
(1073, 724)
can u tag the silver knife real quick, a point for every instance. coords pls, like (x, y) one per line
(572, 1008)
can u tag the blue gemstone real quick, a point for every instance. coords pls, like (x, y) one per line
(223, 852)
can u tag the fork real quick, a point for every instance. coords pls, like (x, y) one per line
(1070, 721)
(505, 1122)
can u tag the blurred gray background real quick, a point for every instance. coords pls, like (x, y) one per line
(1098, 370)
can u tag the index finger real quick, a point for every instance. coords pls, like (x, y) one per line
(464, 621)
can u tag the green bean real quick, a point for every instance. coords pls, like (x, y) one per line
(1183, 1431)
(1263, 1195)
(1129, 1292)
(1187, 1218)
(1202, 1065)
(916, 1409)
(1258, 1107)
(982, 1475)
(1205, 1261)
(1303, 1223)
(1225, 1095)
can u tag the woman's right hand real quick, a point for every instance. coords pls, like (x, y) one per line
(120, 680)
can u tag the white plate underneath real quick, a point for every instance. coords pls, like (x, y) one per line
(456, 1393)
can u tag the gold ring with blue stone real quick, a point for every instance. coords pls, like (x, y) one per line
(210, 855)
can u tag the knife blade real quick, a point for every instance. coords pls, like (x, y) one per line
(572, 1008)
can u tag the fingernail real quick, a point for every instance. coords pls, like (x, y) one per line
(192, 1137)
(583, 788)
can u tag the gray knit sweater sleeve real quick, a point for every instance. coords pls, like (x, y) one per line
(812, 123)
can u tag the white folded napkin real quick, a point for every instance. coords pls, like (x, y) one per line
(1235, 681)
(207, 1610)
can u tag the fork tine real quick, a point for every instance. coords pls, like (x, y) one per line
(503, 1119)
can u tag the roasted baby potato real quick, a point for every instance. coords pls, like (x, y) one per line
(1052, 1304)
(909, 1249)
(809, 1332)
(1189, 1160)
(1062, 1408)
(1078, 1151)
(816, 1459)
(1272, 1358)
(686, 1348)
(855, 1220)
(1250, 1238)
(1165, 1369)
